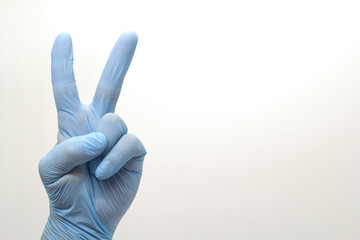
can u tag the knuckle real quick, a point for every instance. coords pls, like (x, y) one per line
(42, 165)
(135, 141)
(116, 121)
(124, 127)
(43, 168)
(112, 117)
(132, 138)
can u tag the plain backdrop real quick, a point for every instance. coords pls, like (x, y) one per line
(249, 111)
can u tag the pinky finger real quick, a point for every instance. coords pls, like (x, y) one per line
(128, 152)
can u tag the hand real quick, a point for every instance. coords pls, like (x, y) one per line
(93, 173)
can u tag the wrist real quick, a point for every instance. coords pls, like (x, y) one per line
(59, 227)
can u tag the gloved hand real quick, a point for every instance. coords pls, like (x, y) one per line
(93, 173)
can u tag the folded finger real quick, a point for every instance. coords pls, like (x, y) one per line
(113, 127)
(69, 154)
(128, 148)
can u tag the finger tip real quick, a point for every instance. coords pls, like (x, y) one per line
(99, 174)
(62, 48)
(64, 36)
(130, 36)
(103, 170)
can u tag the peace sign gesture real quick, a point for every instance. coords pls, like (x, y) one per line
(93, 173)
(75, 118)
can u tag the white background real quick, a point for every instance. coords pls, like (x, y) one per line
(249, 111)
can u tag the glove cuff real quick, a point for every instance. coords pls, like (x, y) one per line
(59, 228)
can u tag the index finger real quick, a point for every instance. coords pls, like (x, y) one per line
(62, 74)
(109, 86)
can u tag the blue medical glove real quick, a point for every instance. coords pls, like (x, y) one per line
(93, 173)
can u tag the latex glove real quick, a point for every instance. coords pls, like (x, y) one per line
(91, 178)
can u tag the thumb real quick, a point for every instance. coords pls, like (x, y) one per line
(69, 154)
